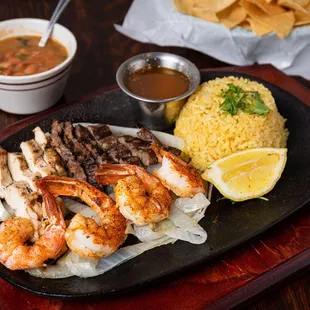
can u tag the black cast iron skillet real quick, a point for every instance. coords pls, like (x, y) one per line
(227, 224)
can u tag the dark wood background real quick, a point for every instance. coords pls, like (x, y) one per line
(100, 51)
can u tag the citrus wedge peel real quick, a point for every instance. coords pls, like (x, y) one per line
(247, 174)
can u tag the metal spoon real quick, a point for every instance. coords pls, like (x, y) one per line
(58, 11)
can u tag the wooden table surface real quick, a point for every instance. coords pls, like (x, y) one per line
(100, 51)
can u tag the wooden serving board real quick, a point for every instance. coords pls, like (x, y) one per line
(228, 280)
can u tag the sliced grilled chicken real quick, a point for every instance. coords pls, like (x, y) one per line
(24, 202)
(20, 171)
(41, 138)
(34, 158)
(50, 155)
(5, 176)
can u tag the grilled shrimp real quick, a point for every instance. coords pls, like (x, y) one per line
(178, 176)
(14, 234)
(140, 196)
(84, 236)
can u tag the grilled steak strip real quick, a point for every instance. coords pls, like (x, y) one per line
(76, 147)
(83, 134)
(116, 151)
(147, 135)
(99, 132)
(83, 155)
(140, 149)
(90, 165)
(85, 137)
(72, 164)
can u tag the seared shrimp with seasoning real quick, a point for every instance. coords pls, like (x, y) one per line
(178, 176)
(15, 254)
(140, 196)
(84, 236)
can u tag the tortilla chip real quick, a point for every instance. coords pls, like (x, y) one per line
(232, 16)
(258, 28)
(293, 4)
(183, 6)
(213, 5)
(260, 16)
(302, 3)
(246, 25)
(204, 14)
(281, 24)
(302, 18)
(270, 9)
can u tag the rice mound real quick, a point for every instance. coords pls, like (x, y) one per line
(210, 133)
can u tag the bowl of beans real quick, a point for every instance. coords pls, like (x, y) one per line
(33, 78)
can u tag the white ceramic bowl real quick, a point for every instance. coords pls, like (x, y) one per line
(34, 93)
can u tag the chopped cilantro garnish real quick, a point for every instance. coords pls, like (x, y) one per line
(23, 41)
(22, 56)
(247, 101)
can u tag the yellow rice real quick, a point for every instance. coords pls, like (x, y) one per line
(210, 133)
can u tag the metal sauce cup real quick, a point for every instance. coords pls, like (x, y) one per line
(158, 114)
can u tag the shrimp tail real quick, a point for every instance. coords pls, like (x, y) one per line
(158, 151)
(57, 185)
(76, 188)
(55, 219)
(179, 163)
(52, 209)
(109, 174)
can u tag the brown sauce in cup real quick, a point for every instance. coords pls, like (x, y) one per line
(157, 83)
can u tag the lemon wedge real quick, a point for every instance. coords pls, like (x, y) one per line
(248, 174)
